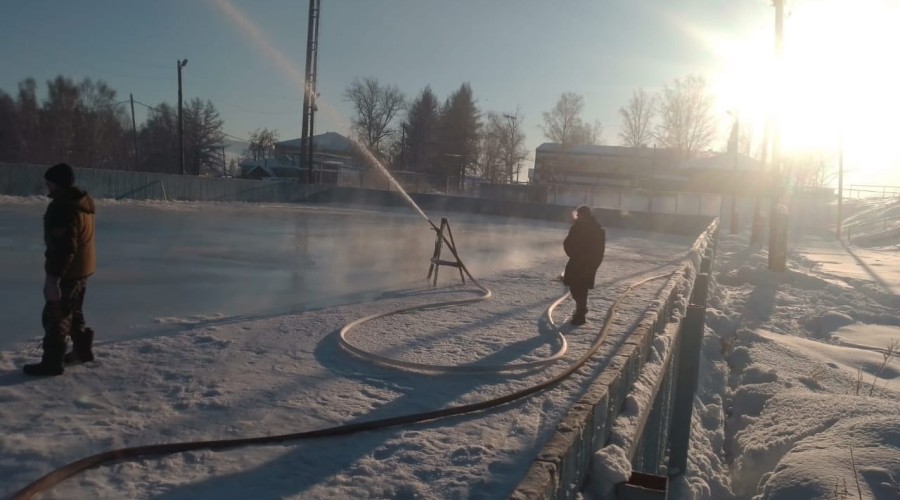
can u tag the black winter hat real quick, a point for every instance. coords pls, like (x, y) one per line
(61, 174)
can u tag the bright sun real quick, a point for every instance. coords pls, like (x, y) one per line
(840, 76)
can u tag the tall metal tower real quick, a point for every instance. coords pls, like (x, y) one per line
(309, 91)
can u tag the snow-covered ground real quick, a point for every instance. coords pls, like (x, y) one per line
(275, 372)
(799, 382)
(795, 375)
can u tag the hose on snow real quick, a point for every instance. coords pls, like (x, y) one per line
(59, 475)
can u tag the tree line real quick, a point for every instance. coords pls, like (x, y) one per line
(680, 117)
(453, 137)
(86, 124)
(447, 139)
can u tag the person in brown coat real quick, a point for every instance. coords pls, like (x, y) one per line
(585, 245)
(68, 262)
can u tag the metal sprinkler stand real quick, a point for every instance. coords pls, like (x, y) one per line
(436, 261)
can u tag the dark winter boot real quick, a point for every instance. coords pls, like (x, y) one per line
(51, 362)
(578, 317)
(81, 348)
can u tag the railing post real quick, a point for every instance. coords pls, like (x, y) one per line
(705, 264)
(642, 486)
(656, 433)
(701, 289)
(688, 366)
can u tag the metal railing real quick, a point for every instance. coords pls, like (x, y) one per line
(660, 440)
(850, 228)
(872, 191)
(635, 199)
(603, 423)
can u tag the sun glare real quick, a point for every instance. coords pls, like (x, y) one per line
(279, 59)
(839, 77)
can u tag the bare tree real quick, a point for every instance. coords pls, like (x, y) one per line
(589, 133)
(686, 120)
(563, 124)
(100, 138)
(84, 124)
(262, 144)
(636, 118)
(806, 170)
(376, 106)
(502, 147)
(490, 151)
(81, 123)
(393, 149)
(513, 142)
(59, 120)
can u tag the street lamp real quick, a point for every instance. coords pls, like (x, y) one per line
(181, 63)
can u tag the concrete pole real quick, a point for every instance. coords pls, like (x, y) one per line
(686, 386)
(181, 64)
(840, 200)
(776, 253)
(133, 132)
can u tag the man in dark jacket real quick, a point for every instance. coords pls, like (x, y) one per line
(585, 246)
(68, 262)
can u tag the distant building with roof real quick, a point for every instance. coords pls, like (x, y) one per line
(327, 147)
(336, 160)
(650, 168)
(269, 169)
(595, 165)
(725, 172)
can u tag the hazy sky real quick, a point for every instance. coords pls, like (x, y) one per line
(248, 56)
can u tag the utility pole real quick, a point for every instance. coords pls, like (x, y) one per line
(757, 228)
(510, 141)
(840, 206)
(733, 144)
(777, 218)
(309, 90)
(133, 131)
(181, 64)
(224, 164)
(403, 146)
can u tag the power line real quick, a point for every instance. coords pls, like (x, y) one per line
(255, 111)
(107, 105)
(151, 108)
(235, 137)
